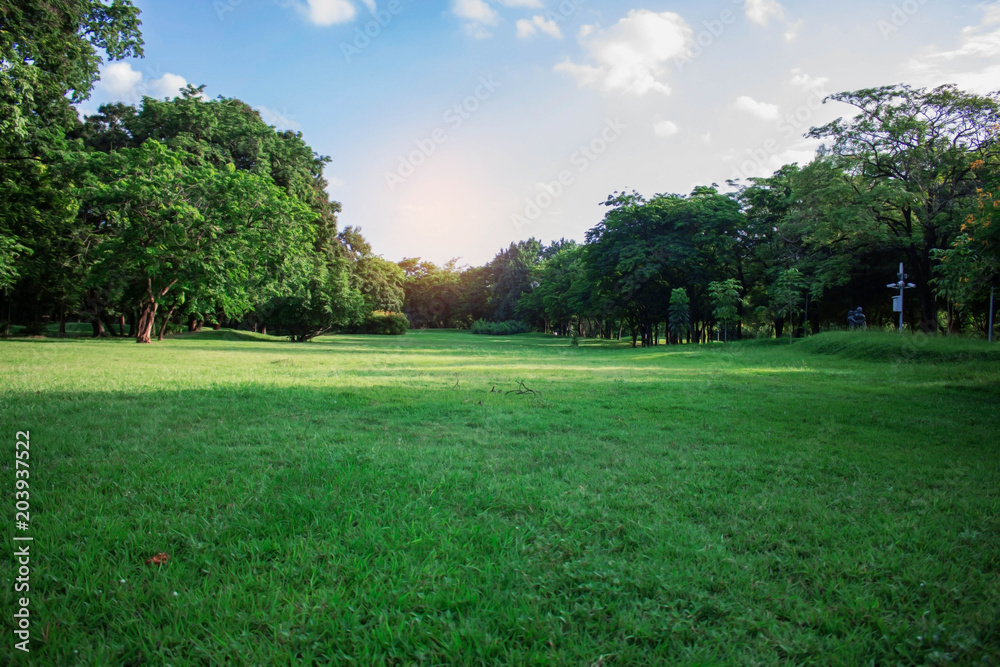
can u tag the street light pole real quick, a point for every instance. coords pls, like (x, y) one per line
(901, 285)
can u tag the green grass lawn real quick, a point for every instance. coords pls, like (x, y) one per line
(375, 501)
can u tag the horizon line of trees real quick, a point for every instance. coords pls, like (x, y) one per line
(913, 176)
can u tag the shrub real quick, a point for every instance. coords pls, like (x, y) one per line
(509, 328)
(383, 323)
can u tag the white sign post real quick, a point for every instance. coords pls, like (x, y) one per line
(897, 301)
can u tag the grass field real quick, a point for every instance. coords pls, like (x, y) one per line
(384, 501)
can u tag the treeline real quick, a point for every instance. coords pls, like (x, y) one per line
(913, 177)
(170, 212)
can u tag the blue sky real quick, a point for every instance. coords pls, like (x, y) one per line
(459, 126)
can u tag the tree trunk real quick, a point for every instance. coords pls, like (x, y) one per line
(107, 324)
(166, 321)
(62, 320)
(147, 317)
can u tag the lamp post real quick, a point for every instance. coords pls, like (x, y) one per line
(901, 285)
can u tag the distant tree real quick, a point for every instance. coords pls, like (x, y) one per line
(725, 296)
(969, 270)
(642, 249)
(679, 321)
(473, 296)
(787, 294)
(560, 291)
(432, 293)
(324, 303)
(510, 273)
(378, 280)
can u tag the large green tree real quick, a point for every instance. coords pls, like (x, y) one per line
(908, 156)
(51, 53)
(168, 231)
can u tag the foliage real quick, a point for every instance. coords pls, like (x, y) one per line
(510, 279)
(787, 294)
(51, 55)
(908, 156)
(970, 268)
(385, 324)
(642, 250)
(432, 293)
(725, 296)
(323, 304)
(10, 251)
(508, 328)
(679, 316)
(176, 231)
(561, 289)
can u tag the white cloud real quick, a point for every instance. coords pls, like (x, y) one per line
(802, 80)
(529, 4)
(761, 110)
(120, 83)
(282, 121)
(526, 28)
(327, 12)
(766, 161)
(991, 14)
(478, 11)
(971, 64)
(664, 128)
(801, 153)
(168, 85)
(632, 55)
(762, 11)
(477, 31)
